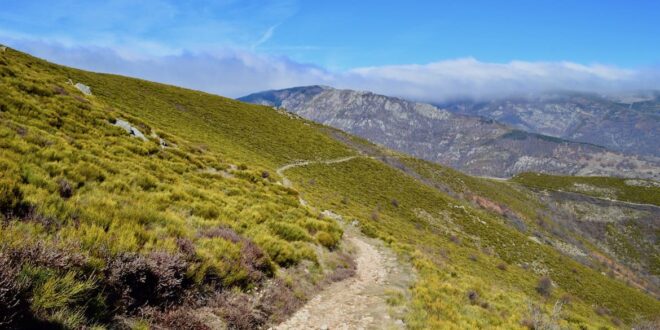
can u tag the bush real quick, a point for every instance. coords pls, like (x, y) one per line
(289, 232)
(237, 310)
(181, 318)
(11, 200)
(544, 286)
(66, 191)
(13, 303)
(344, 268)
(156, 279)
(279, 250)
(327, 239)
(278, 301)
(255, 261)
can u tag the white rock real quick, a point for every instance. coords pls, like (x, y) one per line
(83, 88)
(130, 129)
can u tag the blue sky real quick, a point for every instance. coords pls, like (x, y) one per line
(418, 49)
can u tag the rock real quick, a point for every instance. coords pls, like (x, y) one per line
(3, 48)
(324, 327)
(130, 129)
(399, 323)
(332, 215)
(83, 88)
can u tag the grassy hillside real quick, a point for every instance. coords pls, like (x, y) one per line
(628, 190)
(100, 228)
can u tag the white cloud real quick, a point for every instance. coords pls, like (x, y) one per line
(236, 73)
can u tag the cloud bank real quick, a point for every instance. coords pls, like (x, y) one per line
(235, 73)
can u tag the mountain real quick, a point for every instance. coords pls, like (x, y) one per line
(624, 123)
(477, 145)
(126, 203)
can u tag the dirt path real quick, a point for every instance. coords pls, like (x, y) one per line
(359, 302)
(280, 171)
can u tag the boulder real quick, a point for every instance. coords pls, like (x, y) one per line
(130, 129)
(83, 88)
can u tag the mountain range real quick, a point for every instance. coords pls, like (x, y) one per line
(629, 124)
(461, 135)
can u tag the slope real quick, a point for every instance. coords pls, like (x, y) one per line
(103, 228)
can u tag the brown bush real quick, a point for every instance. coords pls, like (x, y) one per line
(544, 286)
(238, 310)
(155, 280)
(222, 232)
(278, 301)
(602, 311)
(46, 256)
(11, 200)
(255, 261)
(181, 318)
(13, 304)
(346, 268)
(501, 266)
(473, 296)
(186, 246)
(66, 191)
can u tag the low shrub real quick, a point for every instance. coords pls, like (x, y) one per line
(544, 286)
(326, 239)
(14, 304)
(237, 309)
(289, 231)
(156, 279)
(278, 301)
(180, 318)
(11, 200)
(65, 189)
(279, 250)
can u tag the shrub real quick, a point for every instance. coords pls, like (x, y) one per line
(289, 232)
(265, 174)
(395, 202)
(13, 303)
(255, 261)
(225, 233)
(544, 286)
(156, 279)
(237, 310)
(326, 239)
(66, 191)
(279, 250)
(11, 200)
(473, 297)
(501, 266)
(345, 267)
(180, 318)
(278, 301)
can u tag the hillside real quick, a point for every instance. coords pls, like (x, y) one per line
(624, 124)
(472, 144)
(194, 226)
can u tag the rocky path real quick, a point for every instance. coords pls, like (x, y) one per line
(359, 302)
(280, 171)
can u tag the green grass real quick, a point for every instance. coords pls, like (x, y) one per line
(603, 187)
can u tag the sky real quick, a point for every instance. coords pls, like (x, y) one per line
(423, 50)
